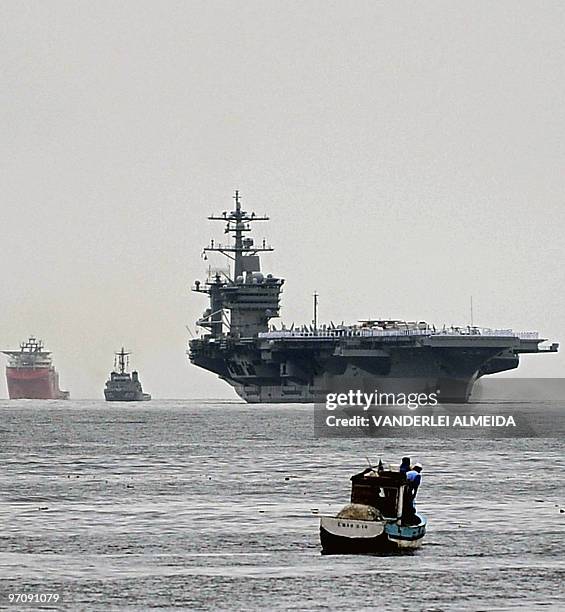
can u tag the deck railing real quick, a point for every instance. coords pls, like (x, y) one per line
(353, 333)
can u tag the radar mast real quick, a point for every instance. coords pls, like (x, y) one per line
(247, 300)
(237, 224)
(121, 361)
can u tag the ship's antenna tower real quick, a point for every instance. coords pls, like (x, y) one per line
(238, 222)
(121, 362)
(315, 321)
(250, 298)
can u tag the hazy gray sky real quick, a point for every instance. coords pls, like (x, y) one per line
(410, 155)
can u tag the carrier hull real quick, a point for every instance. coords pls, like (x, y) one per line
(278, 368)
(448, 391)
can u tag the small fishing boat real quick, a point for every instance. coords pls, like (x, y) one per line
(379, 519)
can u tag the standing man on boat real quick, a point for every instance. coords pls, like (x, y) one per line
(414, 479)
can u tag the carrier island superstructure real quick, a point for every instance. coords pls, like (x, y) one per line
(302, 364)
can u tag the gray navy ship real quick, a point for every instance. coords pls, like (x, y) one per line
(123, 386)
(267, 364)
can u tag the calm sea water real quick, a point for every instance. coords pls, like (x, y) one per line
(212, 506)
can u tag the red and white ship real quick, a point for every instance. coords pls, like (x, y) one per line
(30, 373)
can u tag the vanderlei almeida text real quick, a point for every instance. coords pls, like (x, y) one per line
(417, 420)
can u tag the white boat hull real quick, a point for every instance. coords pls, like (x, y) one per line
(353, 536)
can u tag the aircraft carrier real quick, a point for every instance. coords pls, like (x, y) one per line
(266, 364)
